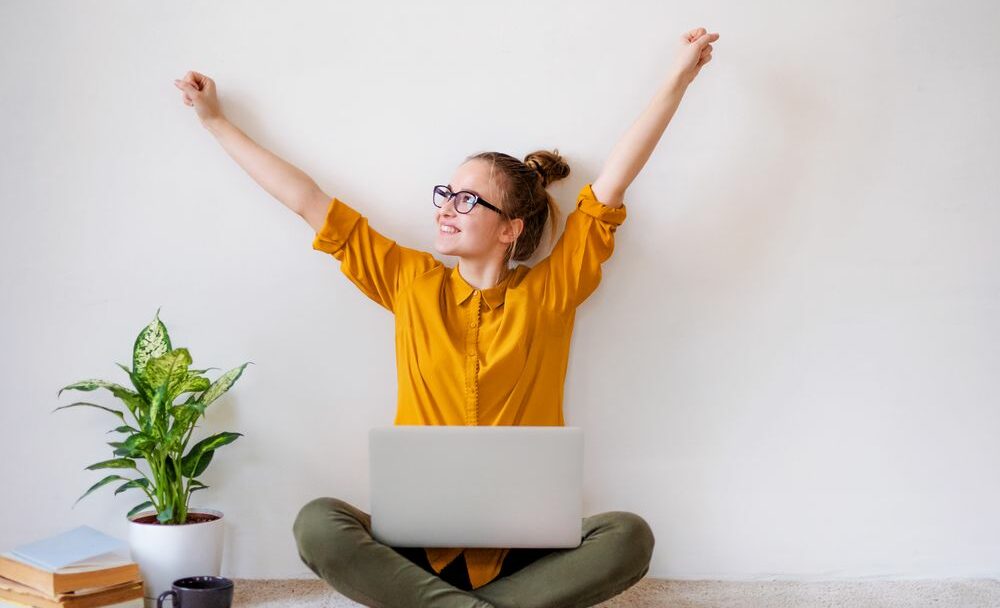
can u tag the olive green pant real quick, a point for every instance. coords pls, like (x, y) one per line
(334, 539)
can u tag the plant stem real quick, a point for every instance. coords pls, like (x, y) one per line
(173, 490)
(187, 486)
(160, 481)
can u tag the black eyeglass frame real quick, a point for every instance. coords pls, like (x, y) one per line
(476, 200)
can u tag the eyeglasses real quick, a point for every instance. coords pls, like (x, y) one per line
(464, 200)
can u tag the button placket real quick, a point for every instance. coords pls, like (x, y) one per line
(472, 362)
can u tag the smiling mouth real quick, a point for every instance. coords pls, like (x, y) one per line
(443, 230)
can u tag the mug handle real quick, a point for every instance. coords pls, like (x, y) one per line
(163, 596)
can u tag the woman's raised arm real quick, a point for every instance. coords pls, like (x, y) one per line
(633, 150)
(282, 180)
(379, 266)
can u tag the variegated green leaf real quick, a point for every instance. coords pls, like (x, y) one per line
(114, 463)
(89, 385)
(184, 416)
(142, 483)
(84, 403)
(170, 369)
(153, 341)
(131, 399)
(100, 483)
(122, 451)
(207, 444)
(193, 383)
(157, 405)
(194, 409)
(138, 508)
(140, 442)
(125, 452)
(222, 384)
(193, 467)
(140, 385)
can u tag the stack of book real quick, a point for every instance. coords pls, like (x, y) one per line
(81, 568)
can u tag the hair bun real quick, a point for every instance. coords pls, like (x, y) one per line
(550, 166)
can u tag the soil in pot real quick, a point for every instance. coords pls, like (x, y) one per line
(192, 518)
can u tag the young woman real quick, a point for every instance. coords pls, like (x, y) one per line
(478, 344)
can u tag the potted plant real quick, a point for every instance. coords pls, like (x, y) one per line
(166, 538)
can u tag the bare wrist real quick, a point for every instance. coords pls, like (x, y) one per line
(214, 124)
(676, 82)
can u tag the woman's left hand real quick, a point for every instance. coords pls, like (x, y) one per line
(695, 51)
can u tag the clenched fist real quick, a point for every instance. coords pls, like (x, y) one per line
(199, 91)
(694, 52)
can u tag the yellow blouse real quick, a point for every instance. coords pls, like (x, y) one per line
(467, 356)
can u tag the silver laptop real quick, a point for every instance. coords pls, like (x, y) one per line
(477, 486)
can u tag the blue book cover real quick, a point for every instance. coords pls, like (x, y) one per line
(67, 548)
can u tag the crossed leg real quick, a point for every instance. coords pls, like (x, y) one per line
(334, 540)
(614, 555)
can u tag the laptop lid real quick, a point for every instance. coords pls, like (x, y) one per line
(477, 486)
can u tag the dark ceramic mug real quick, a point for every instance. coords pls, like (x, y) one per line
(199, 592)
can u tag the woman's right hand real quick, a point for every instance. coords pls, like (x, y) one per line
(199, 91)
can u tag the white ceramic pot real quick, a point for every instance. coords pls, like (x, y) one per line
(167, 553)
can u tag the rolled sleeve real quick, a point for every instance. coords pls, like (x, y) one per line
(588, 203)
(572, 271)
(340, 221)
(377, 265)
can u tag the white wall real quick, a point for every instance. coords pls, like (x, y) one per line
(790, 368)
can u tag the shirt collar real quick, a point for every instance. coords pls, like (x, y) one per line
(462, 290)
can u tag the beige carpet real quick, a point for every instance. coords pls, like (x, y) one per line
(649, 592)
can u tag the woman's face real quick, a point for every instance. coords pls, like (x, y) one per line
(479, 232)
